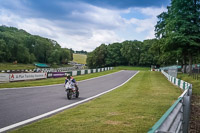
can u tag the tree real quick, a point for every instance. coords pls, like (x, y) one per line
(97, 58)
(131, 51)
(17, 44)
(179, 28)
(114, 56)
(3, 50)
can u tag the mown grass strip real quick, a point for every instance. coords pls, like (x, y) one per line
(51, 81)
(133, 68)
(134, 107)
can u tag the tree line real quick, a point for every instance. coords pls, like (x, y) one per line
(177, 41)
(80, 52)
(135, 53)
(18, 45)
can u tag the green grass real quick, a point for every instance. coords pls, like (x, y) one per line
(50, 81)
(134, 107)
(79, 58)
(189, 79)
(133, 68)
(11, 66)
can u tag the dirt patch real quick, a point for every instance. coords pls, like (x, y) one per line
(113, 113)
(113, 122)
(195, 115)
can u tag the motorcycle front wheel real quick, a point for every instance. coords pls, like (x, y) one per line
(69, 94)
(77, 94)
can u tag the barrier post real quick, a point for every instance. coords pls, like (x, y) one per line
(186, 106)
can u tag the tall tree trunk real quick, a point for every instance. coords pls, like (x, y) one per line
(190, 63)
(184, 64)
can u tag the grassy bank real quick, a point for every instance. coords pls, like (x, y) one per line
(134, 107)
(195, 83)
(11, 66)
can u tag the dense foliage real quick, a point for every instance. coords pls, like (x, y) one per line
(178, 30)
(134, 53)
(80, 52)
(18, 45)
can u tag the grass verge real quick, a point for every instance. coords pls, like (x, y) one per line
(134, 107)
(132, 68)
(195, 83)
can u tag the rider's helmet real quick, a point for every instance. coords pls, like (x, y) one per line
(68, 76)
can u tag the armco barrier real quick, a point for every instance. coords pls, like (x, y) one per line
(176, 119)
(8, 77)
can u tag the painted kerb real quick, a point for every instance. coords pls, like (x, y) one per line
(176, 119)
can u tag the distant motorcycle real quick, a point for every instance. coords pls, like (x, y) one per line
(72, 91)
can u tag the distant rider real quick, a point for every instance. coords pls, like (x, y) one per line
(70, 78)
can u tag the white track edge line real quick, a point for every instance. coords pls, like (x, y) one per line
(60, 109)
(58, 84)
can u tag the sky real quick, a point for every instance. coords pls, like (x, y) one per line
(84, 24)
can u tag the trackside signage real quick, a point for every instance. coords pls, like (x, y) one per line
(4, 77)
(26, 76)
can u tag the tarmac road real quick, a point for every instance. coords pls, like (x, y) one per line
(20, 104)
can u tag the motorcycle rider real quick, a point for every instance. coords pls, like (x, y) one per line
(70, 78)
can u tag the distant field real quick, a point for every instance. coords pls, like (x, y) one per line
(132, 108)
(79, 58)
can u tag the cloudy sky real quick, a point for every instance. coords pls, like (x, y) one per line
(84, 24)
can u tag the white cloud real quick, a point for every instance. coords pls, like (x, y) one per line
(147, 25)
(153, 12)
(86, 26)
(75, 35)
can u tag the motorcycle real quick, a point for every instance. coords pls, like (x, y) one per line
(72, 91)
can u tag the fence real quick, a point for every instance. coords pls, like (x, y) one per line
(9, 77)
(196, 71)
(176, 119)
(41, 70)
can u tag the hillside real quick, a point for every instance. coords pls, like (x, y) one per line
(79, 58)
(20, 46)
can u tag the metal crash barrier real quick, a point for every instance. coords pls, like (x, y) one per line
(176, 119)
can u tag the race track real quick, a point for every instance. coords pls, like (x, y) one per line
(19, 104)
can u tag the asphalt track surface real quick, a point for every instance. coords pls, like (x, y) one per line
(20, 104)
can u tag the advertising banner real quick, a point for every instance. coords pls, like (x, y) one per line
(58, 74)
(49, 75)
(26, 76)
(4, 77)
